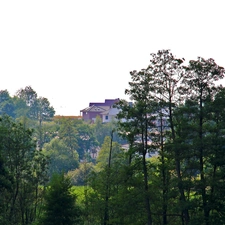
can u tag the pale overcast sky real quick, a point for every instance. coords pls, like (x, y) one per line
(76, 52)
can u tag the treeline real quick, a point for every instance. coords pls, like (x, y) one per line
(172, 170)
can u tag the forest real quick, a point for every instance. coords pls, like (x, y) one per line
(161, 162)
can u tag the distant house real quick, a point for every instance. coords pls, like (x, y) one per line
(105, 110)
(109, 115)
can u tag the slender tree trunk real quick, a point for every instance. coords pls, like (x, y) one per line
(145, 171)
(164, 180)
(106, 211)
(12, 215)
(147, 200)
(201, 162)
(185, 212)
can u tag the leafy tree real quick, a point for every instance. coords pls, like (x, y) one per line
(44, 111)
(166, 88)
(87, 142)
(156, 91)
(61, 157)
(27, 167)
(68, 134)
(200, 79)
(39, 108)
(6, 104)
(60, 204)
(141, 119)
(30, 97)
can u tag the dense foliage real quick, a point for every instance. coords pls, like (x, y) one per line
(60, 207)
(23, 171)
(161, 162)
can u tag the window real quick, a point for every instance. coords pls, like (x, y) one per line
(106, 117)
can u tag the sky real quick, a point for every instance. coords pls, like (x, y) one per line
(76, 52)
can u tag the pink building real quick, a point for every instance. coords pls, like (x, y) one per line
(101, 109)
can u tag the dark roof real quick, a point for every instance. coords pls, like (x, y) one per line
(108, 102)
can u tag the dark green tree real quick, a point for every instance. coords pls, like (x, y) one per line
(156, 92)
(168, 73)
(28, 169)
(60, 204)
(200, 83)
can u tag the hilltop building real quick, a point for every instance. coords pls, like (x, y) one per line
(105, 110)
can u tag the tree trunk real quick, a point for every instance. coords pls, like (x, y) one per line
(185, 212)
(147, 200)
(165, 186)
(146, 189)
(201, 162)
(106, 211)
